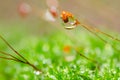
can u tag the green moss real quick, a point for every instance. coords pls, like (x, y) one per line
(47, 53)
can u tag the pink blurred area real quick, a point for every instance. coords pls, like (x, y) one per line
(105, 13)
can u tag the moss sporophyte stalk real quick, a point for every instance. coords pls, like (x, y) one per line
(70, 22)
(14, 58)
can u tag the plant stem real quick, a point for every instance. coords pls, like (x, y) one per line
(12, 48)
(25, 61)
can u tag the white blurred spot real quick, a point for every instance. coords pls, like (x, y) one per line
(25, 77)
(37, 72)
(47, 61)
(65, 70)
(69, 58)
(52, 77)
(49, 17)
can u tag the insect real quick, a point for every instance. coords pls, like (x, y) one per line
(65, 16)
(12, 57)
(68, 18)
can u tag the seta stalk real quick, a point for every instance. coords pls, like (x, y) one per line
(12, 57)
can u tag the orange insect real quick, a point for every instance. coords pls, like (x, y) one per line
(68, 18)
(71, 23)
(65, 16)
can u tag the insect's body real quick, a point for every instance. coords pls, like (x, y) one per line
(68, 18)
(65, 16)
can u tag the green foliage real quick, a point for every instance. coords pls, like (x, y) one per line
(47, 53)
